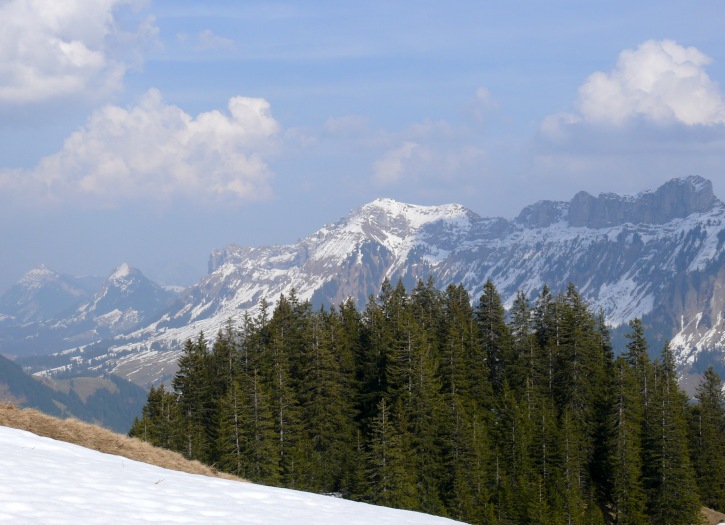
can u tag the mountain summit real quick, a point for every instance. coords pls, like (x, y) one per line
(657, 255)
(43, 293)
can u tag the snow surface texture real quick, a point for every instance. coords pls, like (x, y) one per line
(48, 481)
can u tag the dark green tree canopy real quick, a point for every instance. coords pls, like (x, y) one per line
(426, 401)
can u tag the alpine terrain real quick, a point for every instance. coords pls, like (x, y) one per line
(657, 255)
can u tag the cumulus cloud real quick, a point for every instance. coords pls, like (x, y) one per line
(51, 50)
(657, 114)
(156, 152)
(660, 81)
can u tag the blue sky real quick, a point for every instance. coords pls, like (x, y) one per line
(152, 132)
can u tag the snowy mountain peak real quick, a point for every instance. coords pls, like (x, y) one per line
(390, 222)
(122, 271)
(38, 276)
(414, 215)
(126, 298)
(41, 294)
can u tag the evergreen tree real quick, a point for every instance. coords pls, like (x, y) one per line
(390, 481)
(281, 357)
(573, 450)
(707, 438)
(463, 367)
(494, 334)
(638, 358)
(160, 420)
(192, 384)
(376, 341)
(669, 477)
(233, 420)
(581, 378)
(327, 413)
(516, 488)
(523, 373)
(261, 440)
(625, 448)
(546, 328)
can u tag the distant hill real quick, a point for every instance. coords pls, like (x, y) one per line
(111, 401)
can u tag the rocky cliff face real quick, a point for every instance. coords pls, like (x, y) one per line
(657, 255)
(676, 199)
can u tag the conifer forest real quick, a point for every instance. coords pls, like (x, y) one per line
(427, 400)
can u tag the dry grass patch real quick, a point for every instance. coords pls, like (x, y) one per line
(712, 517)
(102, 440)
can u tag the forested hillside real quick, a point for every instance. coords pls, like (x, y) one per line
(421, 401)
(108, 401)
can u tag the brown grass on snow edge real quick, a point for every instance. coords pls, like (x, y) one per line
(102, 440)
(712, 517)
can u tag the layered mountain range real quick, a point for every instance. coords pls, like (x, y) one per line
(656, 255)
(47, 311)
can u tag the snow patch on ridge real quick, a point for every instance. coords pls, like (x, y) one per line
(122, 271)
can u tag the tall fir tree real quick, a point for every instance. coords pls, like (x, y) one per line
(280, 368)
(669, 478)
(160, 421)
(707, 439)
(495, 338)
(391, 482)
(192, 383)
(326, 411)
(625, 448)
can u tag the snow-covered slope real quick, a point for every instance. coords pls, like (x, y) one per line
(48, 481)
(658, 255)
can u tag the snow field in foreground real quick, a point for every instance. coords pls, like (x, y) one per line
(47, 481)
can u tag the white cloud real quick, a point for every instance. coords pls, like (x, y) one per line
(433, 154)
(660, 81)
(51, 50)
(209, 40)
(656, 115)
(391, 168)
(206, 40)
(483, 105)
(438, 165)
(155, 152)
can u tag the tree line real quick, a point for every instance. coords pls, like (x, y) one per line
(427, 402)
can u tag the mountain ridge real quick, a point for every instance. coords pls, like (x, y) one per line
(76, 314)
(629, 269)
